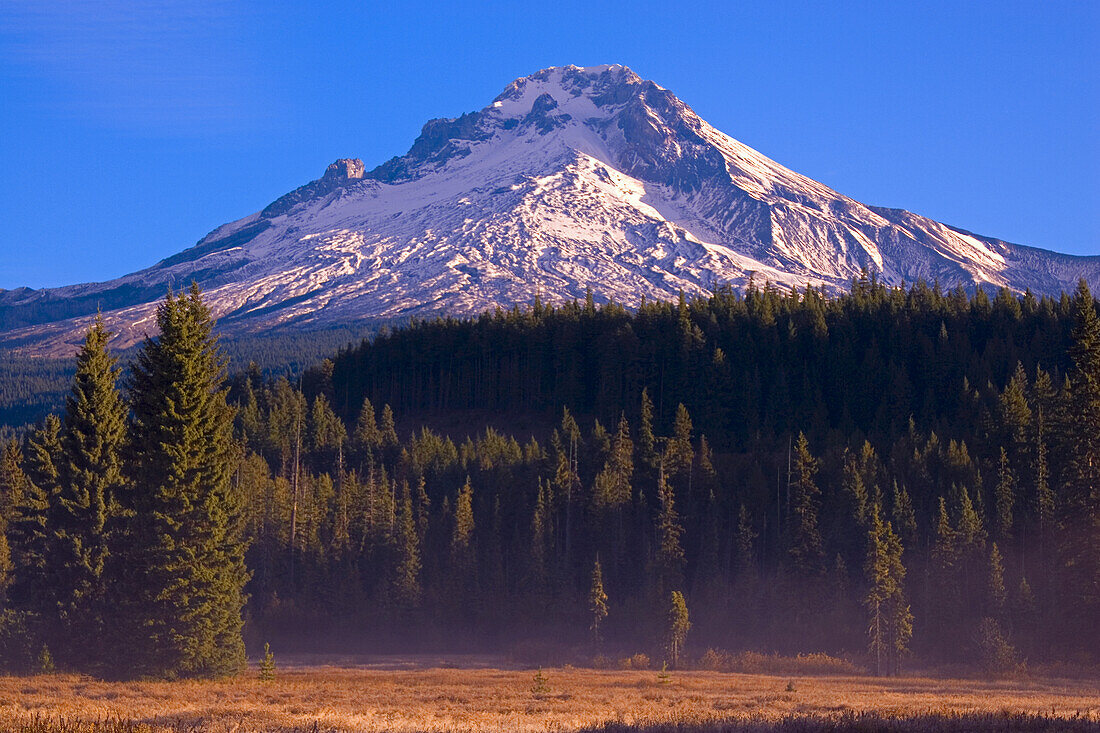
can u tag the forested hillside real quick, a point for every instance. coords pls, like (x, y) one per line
(886, 474)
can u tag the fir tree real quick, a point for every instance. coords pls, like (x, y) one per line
(996, 583)
(86, 509)
(387, 431)
(889, 619)
(32, 590)
(669, 561)
(647, 441)
(1080, 500)
(407, 574)
(597, 603)
(743, 542)
(676, 627)
(679, 455)
(1004, 497)
(366, 435)
(806, 549)
(185, 548)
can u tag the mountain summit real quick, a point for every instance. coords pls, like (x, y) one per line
(574, 177)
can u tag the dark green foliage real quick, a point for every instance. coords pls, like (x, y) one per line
(925, 434)
(184, 544)
(806, 549)
(86, 507)
(597, 602)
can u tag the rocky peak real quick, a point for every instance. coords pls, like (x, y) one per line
(344, 169)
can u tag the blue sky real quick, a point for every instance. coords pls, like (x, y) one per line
(129, 130)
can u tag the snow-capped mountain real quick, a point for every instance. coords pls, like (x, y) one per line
(572, 178)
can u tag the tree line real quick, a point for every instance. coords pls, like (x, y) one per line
(883, 473)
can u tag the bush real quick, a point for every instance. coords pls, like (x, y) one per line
(995, 655)
(817, 663)
(636, 661)
(602, 662)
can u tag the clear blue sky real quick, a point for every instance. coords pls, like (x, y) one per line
(130, 129)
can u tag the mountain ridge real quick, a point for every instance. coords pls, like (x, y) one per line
(573, 177)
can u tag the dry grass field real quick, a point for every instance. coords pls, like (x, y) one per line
(397, 697)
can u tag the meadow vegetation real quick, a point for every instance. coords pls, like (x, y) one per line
(370, 697)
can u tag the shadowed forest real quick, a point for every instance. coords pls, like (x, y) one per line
(892, 476)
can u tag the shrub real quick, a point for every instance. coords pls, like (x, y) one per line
(602, 662)
(817, 663)
(995, 655)
(636, 661)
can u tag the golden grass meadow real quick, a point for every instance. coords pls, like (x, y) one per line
(426, 695)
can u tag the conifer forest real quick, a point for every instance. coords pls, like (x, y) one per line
(893, 475)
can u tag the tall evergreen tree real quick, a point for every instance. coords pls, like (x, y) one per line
(806, 548)
(1080, 501)
(597, 603)
(676, 628)
(87, 506)
(669, 561)
(185, 549)
(1004, 498)
(32, 591)
(407, 572)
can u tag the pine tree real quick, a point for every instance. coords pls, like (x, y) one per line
(647, 441)
(743, 542)
(86, 509)
(890, 622)
(806, 548)
(677, 626)
(185, 549)
(679, 455)
(13, 487)
(597, 603)
(996, 583)
(1004, 497)
(387, 431)
(32, 591)
(882, 588)
(1080, 498)
(366, 435)
(407, 574)
(463, 560)
(669, 561)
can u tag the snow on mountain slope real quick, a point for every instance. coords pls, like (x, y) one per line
(572, 178)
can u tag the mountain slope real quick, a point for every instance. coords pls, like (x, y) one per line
(572, 178)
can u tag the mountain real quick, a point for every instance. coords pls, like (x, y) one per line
(572, 178)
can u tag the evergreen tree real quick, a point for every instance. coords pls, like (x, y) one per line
(185, 549)
(806, 548)
(32, 591)
(366, 435)
(647, 441)
(889, 618)
(597, 602)
(1004, 497)
(387, 432)
(669, 562)
(743, 542)
(679, 455)
(677, 626)
(13, 487)
(86, 508)
(996, 584)
(1080, 499)
(407, 574)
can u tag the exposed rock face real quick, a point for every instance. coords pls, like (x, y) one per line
(344, 170)
(572, 177)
